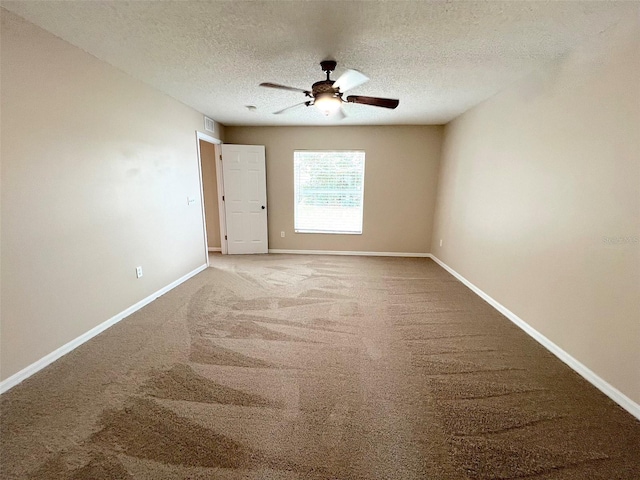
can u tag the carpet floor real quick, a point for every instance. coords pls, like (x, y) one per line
(314, 367)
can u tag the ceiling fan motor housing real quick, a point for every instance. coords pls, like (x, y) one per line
(324, 87)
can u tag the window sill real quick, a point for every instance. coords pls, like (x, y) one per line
(327, 232)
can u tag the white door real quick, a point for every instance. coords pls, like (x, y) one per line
(245, 198)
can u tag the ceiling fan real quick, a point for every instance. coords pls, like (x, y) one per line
(326, 95)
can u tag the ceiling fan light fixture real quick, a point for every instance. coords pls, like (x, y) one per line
(328, 103)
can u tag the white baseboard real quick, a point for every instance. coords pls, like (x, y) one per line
(26, 372)
(609, 390)
(346, 252)
(214, 249)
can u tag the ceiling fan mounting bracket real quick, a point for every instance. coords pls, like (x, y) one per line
(328, 65)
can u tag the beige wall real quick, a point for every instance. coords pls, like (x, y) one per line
(401, 169)
(533, 182)
(210, 192)
(96, 170)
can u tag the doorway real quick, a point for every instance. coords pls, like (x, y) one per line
(211, 193)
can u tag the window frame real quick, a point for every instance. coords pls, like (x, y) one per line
(295, 194)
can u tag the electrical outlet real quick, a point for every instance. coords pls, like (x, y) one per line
(282, 234)
(440, 242)
(138, 272)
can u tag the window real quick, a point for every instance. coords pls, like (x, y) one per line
(329, 191)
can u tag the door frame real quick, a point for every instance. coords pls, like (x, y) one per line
(219, 191)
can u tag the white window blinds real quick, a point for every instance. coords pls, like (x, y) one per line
(329, 191)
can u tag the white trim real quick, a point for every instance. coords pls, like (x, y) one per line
(346, 252)
(609, 390)
(222, 214)
(26, 372)
(207, 138)
(215, 249)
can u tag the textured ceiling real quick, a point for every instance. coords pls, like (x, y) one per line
(438, 58)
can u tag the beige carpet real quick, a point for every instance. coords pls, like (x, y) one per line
(296, 367)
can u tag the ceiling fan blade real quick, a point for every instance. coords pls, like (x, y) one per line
(292, 106)
(283, 87)
(350, 79)
(375, 101)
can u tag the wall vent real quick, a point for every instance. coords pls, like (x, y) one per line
(208, 124)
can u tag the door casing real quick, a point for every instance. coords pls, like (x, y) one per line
(220, 192)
